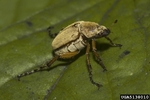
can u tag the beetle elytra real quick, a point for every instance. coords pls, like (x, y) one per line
(72, 39)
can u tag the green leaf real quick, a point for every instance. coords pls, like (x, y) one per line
(26, 45)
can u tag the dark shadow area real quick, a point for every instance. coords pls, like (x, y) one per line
(102, 46)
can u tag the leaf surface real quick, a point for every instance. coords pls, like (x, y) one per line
(26, 45)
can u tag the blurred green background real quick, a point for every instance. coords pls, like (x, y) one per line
(26, 45)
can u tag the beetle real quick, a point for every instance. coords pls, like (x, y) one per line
(72, 39)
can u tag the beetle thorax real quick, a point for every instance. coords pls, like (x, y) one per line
(73, 46)
(92, 29)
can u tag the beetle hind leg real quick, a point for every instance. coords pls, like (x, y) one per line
(46, 67)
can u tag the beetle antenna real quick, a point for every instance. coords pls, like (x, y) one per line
(114, 22)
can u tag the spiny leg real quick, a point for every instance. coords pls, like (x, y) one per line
(97, 56)
(46, 67)
(89, 67)
(113, 44)
(50, 34)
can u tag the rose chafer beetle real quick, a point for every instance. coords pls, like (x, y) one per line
(72, 39)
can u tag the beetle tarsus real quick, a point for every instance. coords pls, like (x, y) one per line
(99, 85)
(119, 45)
(113, 44)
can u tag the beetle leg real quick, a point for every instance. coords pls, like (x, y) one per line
(39, 69)
(50, 34)
(53, 35)
(89, 67)
(113, 44)
(97, 56)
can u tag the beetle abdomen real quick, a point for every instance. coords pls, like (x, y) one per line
(76, 45)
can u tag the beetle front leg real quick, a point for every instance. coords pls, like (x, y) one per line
(113, 44)
(89, 67)
(97, 56)
(38, 69)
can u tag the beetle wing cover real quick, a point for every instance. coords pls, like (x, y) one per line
(67, 35)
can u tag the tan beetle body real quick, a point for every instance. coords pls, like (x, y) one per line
(73, 38)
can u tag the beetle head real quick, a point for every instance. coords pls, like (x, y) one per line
(93, 30)
(102, 31)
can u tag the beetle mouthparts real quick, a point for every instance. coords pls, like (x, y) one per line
(107, 30)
